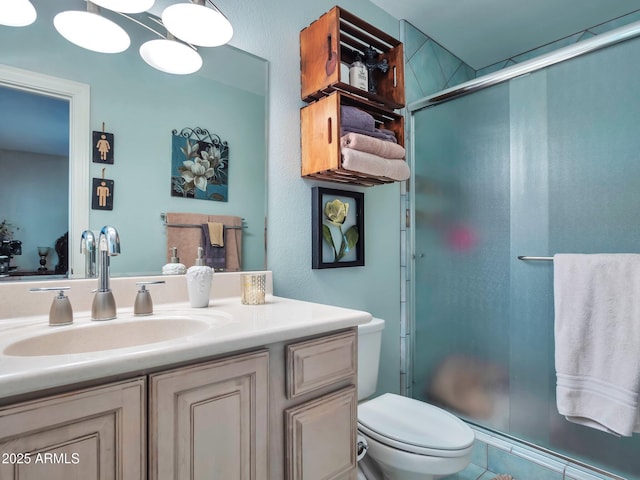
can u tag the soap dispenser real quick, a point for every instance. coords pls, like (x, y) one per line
(174, 267)
(199, 282)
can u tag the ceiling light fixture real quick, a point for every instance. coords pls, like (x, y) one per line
(17, 13)
(198, 24)
(91, 30)
(170, 56)
(126, 6)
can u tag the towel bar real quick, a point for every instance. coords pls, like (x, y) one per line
(545, 259)
(163, 216)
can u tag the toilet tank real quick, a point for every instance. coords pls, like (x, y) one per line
(369, 342)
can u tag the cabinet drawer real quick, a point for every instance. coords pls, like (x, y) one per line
(321, 362)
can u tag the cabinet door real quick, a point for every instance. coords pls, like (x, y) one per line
(321, 437)
(210, 420)
(91, 434)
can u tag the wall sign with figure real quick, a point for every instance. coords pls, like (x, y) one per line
(103, 147)
(102, 194)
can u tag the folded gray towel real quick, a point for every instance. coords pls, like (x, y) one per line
(376, 133)
(356, 118)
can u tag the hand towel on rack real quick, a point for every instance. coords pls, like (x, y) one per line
(215, 255)
(370, 164)
(232, 240)
(597, 340)
(186, 240)
(216, 234)
(365, 143)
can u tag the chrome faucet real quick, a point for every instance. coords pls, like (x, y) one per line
(104, 305)
(88, 247)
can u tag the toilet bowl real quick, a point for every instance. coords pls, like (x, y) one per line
(407, 439)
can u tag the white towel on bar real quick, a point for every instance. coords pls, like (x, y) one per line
(597, 340)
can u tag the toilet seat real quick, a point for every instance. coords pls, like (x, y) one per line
(413, 426)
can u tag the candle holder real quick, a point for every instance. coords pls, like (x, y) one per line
(43, 252)
(252, 287)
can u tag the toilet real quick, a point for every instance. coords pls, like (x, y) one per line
(406, 439)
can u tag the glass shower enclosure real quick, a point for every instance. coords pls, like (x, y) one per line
(545, 163)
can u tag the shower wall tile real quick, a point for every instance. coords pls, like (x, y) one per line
(577, 473)
(448, 62)
(412, 89)
(519, 467)
(586, 35)
(479, 455)
(413, 39)
(472, 472)
(427, 69)
(430, 67)
(487, 476)
(616, 23)
(464, 73)
(563, 42)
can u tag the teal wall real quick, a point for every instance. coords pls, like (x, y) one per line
(269, 30)
(40, 226)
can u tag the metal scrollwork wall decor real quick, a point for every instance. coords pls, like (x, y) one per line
(199, 165)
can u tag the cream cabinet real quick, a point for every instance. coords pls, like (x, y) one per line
(285, 411)
(321, 437)
(320, 410)
(92, 434)
(210, 420)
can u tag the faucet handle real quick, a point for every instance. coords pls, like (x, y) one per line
(143, 304)
(60, 312)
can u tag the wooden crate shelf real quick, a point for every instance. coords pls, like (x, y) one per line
(321, 153)
(336, 38)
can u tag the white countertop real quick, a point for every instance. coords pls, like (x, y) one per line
(233, 327)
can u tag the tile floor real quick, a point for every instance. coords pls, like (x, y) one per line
(493, 455)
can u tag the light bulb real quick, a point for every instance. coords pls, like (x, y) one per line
(91, 31)
(197, 24)
(17, 13)
(170, 56)
(126, 6)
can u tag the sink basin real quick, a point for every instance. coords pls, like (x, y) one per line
(106, 336)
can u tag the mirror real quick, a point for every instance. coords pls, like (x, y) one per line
(141, 107)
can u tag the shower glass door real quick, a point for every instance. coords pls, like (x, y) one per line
(546, 163)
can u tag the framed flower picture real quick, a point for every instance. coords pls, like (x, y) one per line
(199, 165)
(337, 228)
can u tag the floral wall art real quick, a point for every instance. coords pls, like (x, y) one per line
(199, 165)
(337, 228)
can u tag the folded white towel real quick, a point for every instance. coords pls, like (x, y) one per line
(597, 339)
(370, 164)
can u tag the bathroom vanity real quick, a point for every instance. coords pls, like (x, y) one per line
(248, 392)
